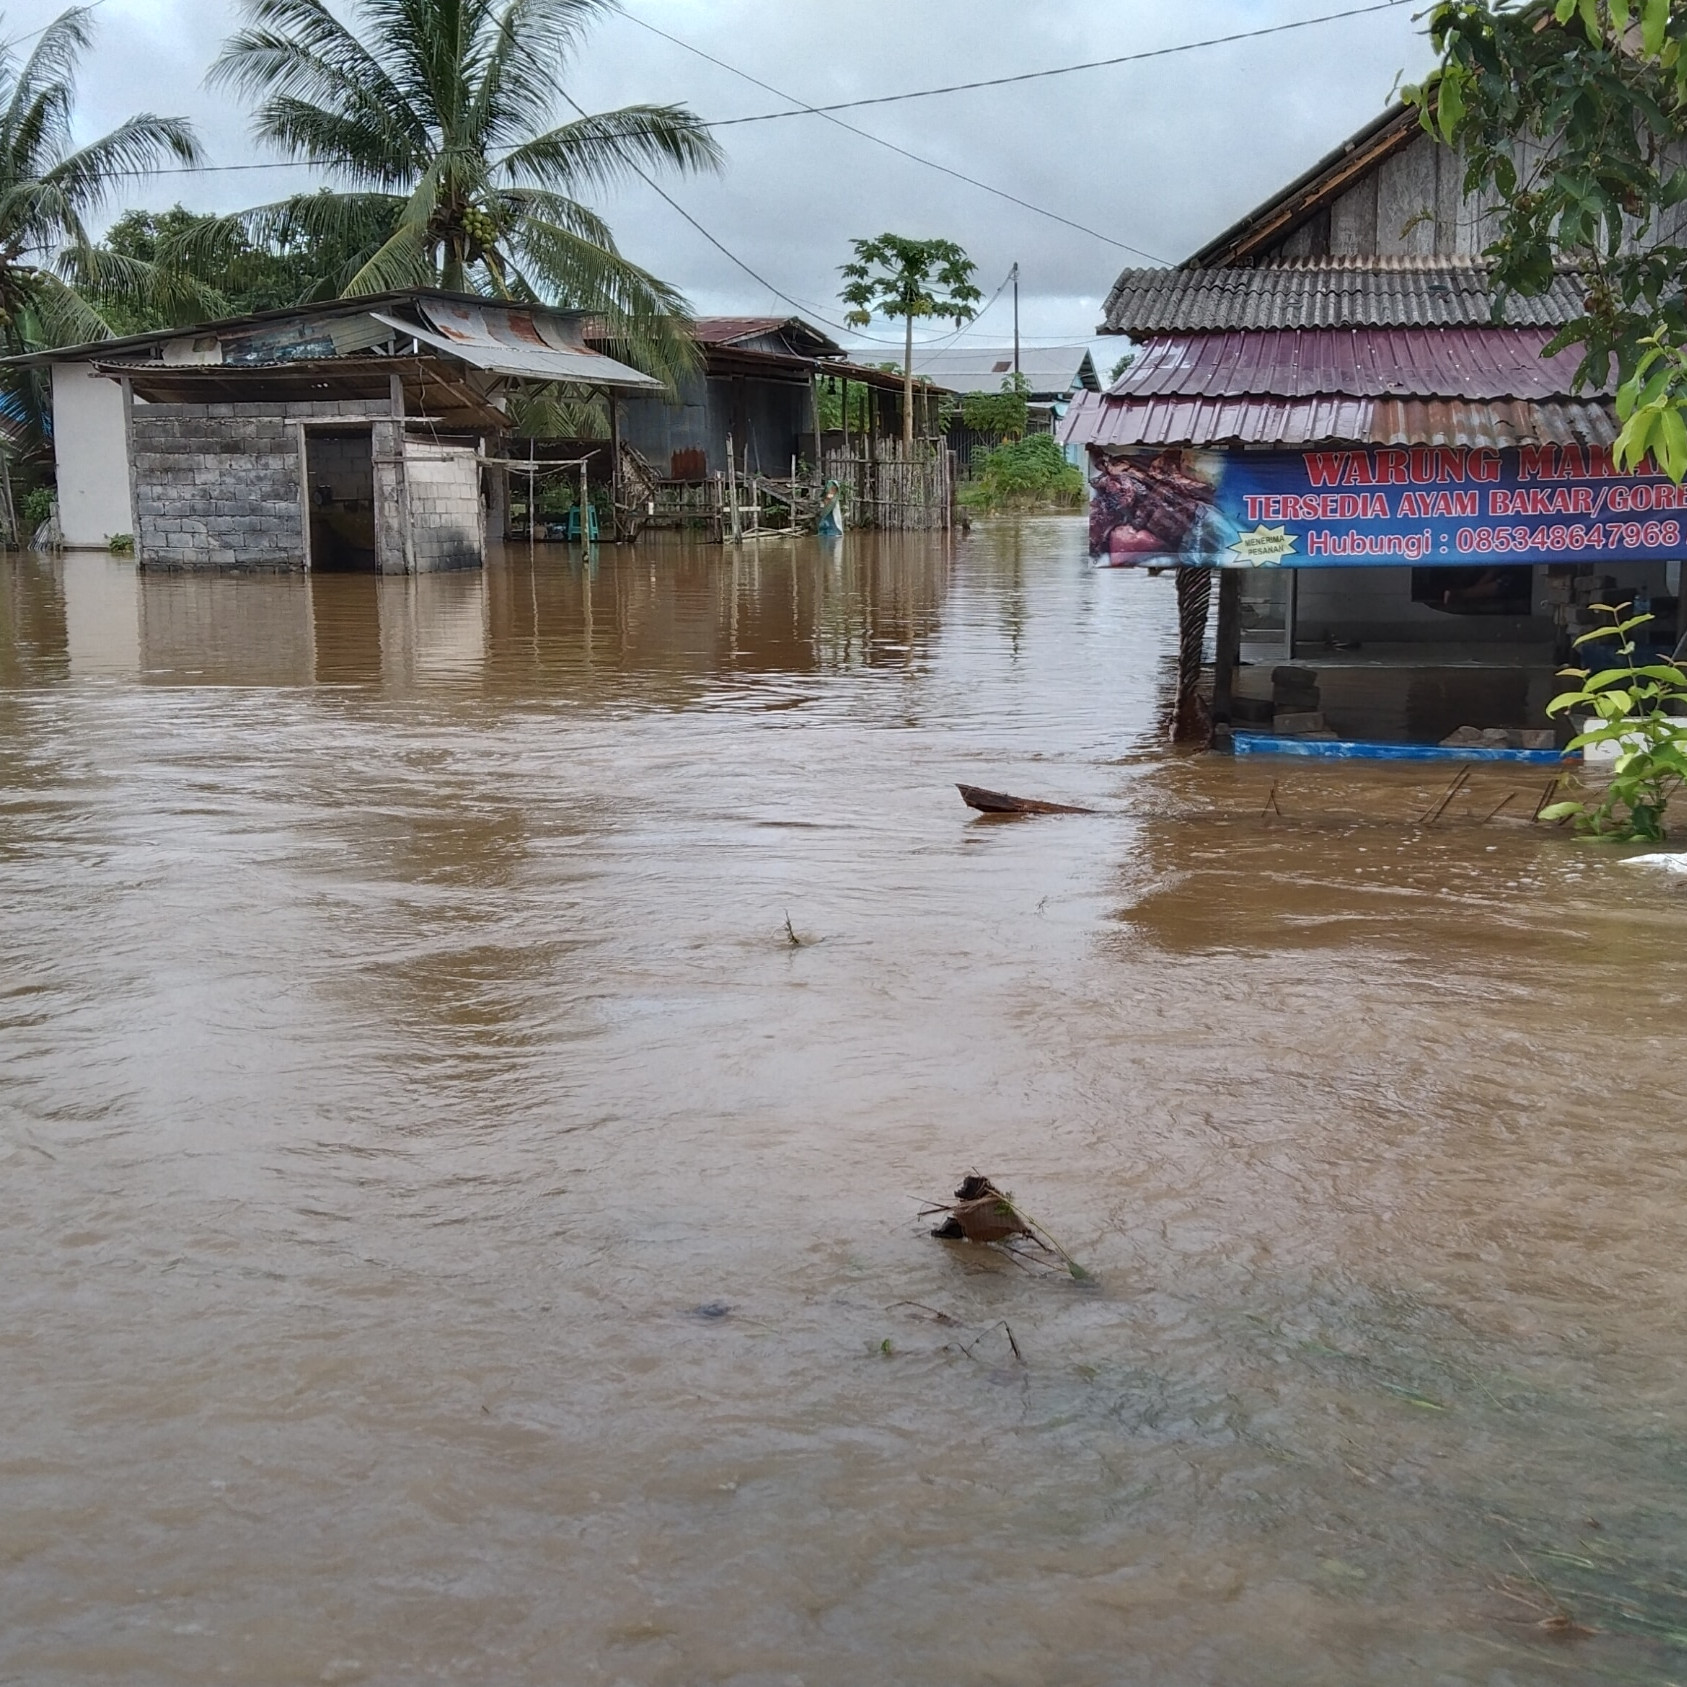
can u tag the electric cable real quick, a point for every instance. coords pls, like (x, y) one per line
(1061, 70)
(902, 151)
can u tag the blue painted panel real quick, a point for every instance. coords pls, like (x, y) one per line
(1358, 749)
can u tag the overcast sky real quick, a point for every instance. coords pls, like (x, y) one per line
(1159, 155)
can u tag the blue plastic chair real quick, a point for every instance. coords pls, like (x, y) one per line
(573, 530)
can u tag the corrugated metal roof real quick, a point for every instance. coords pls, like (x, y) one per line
(722, 330)
(1348, 292)
(801, 338)
(1047, 369)
(527, 344)
(1293, 423)
(1462, 363)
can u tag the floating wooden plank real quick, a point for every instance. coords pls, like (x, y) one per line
(999, 802)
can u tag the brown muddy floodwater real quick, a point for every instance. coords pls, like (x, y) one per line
(450, 1234)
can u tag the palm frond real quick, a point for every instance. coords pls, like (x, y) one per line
(364, 148)
(646, 321)
(607, 147)
(558, 208)
(58, 314)
(300, 49)
(534, 42)
(87, 176)
(45, 86)
(160, 289)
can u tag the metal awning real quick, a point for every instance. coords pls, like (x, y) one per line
(512, 342)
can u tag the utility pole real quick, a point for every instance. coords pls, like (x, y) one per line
(1016, 319)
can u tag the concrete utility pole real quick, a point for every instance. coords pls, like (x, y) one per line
(1015, 273)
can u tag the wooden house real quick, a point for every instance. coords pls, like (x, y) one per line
(1324, 415)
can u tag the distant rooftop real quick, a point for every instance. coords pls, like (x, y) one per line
(1053, 371)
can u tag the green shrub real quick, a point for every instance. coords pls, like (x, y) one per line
(1022, 473)
(38, 506)
(1634, 707)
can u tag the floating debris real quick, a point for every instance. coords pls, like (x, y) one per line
(999, 802)
(985, 1215)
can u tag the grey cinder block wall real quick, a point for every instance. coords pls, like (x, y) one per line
(220, 488)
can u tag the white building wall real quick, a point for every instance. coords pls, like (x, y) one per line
(92, 456)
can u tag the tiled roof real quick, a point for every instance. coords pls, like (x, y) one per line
(1353, 292)
(1293, 423)
(1462, 363)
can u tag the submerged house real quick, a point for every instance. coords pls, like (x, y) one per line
(754, 430)
(1324, 415)
(357, 434)
(755, 388)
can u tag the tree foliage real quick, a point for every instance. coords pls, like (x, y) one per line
(1003, 413)
(1572, 114)
(53, 279)
(1024, 473)
(235, 274)
(1631, 706)
(909, 280)
(439, 120)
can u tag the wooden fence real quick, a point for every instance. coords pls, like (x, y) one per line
(888, 486)
(883, 487)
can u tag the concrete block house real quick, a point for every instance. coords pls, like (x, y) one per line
(343, 436)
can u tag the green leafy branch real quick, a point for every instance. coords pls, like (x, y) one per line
(1633, 704)
(1571, 120)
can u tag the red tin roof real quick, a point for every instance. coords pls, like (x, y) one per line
(1292, 423)
(1461, 363)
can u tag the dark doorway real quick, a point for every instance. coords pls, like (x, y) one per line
(340, 490)
(1504, 590)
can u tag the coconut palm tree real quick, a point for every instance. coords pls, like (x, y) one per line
(51, 274)
(437, 120)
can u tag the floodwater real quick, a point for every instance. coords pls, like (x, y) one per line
(450, 1233)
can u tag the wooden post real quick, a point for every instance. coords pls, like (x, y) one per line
(585, 512)
(1228, 643)
(614, 467)
(1194, 592)
(732, 492)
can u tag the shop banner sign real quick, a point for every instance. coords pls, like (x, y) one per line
(1368, 507)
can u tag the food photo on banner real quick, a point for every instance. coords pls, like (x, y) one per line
(1423, 506)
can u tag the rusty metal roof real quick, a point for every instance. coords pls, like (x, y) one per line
(1346, 292)
(1462, 363)
(1292, 423)
(517, 341)
(801, 339)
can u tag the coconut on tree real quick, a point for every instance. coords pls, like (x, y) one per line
(437, 121)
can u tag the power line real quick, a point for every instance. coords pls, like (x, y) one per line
(719, 246)
(802, 110)
(1058, 70)
(902, 151)
(18, 40)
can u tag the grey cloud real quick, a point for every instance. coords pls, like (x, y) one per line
(1160, 154)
